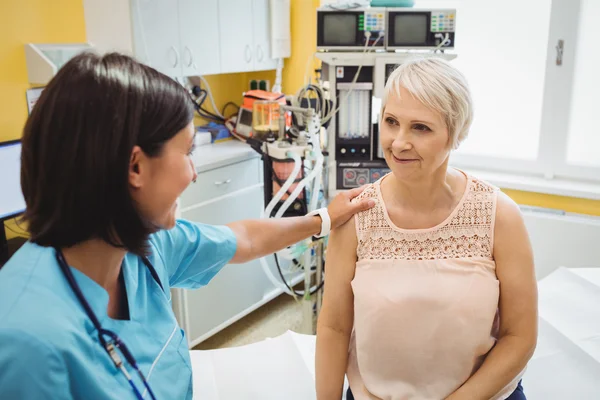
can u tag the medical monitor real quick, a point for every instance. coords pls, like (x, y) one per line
(11, 200)
(411, 28)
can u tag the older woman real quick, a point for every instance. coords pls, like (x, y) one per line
(431, 294)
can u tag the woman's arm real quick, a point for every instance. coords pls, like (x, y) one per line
(518, 307)
(257, 238)
(337, 314)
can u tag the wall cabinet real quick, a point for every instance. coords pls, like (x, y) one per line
(246, 47)
(184, 37)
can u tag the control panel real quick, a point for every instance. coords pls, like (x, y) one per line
(355, 151)
(352, 177)
(443, 21)
(374, 20)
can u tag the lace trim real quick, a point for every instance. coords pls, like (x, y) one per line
(455, 247)
(468, 233)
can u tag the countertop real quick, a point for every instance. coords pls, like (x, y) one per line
(216, 155)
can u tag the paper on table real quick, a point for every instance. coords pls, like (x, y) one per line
(569, 302)
(271, 369)
(307, 346)
(560, 369)
(203, 375)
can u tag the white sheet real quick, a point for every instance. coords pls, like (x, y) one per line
(273, 369)
(566, 364)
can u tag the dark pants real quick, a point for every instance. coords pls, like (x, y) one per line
(516, 395)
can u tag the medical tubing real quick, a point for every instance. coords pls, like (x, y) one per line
(288, 202)
(317, 184)
(314, 174)
(288, 183)
(211, 98)
(316, 170)
(267, 214)
(263, 262)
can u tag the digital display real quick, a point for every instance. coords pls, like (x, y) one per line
(339, 29)
(410, 29)
(245, 117)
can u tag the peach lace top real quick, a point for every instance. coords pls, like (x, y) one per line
(425, 300)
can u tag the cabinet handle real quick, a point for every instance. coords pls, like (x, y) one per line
(259, 53)
(248, 54)
(191, 62)
(176, 56)
(225, 182)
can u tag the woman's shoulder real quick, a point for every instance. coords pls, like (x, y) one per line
(369, 192)
(506, 210)
(481, 185)
(31, 293)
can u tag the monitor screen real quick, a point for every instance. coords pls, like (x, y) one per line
(410, 29)
(339, 29)
(11, 200)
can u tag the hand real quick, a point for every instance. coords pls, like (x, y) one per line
(341, 208)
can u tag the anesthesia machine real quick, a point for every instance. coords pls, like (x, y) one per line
(324, 138)
(289, 139)
(359, 48)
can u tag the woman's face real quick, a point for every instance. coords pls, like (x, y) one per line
(414, 138)
(157, 182)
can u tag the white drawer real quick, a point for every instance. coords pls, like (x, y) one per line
(221, 181)
(236, 288)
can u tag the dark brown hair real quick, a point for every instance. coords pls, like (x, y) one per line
(77, 146)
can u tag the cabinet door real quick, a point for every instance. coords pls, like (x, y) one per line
(156, 34)
(262, 36)
(199, 33)
(236, 289)
(235, 35)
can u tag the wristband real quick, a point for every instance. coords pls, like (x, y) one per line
(325, 221)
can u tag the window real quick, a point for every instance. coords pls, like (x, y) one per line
(533, 115)
(583, 147)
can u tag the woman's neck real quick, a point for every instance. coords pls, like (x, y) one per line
(98, 260)
(430, 193)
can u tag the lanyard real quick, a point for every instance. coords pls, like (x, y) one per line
(114, 342)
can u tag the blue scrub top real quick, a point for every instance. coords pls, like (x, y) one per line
(49, 348)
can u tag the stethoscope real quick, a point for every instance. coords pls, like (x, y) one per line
(114, 341)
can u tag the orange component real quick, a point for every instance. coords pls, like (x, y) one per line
(253, 95)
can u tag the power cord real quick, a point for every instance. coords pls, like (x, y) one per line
(299, 294)
(445, 40)
(200, 97)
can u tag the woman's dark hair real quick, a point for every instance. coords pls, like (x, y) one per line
(77, 147)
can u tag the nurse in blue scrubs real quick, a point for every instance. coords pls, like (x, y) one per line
(85, 307)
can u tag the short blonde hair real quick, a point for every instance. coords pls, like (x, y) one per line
(439, 86)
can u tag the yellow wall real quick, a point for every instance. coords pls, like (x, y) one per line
(304, 38)
(569, 204)
(24, 21)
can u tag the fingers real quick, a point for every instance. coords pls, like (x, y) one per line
(366, 204)
(352, 193)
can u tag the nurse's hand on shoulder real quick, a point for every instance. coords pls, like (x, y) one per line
(342, 208)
